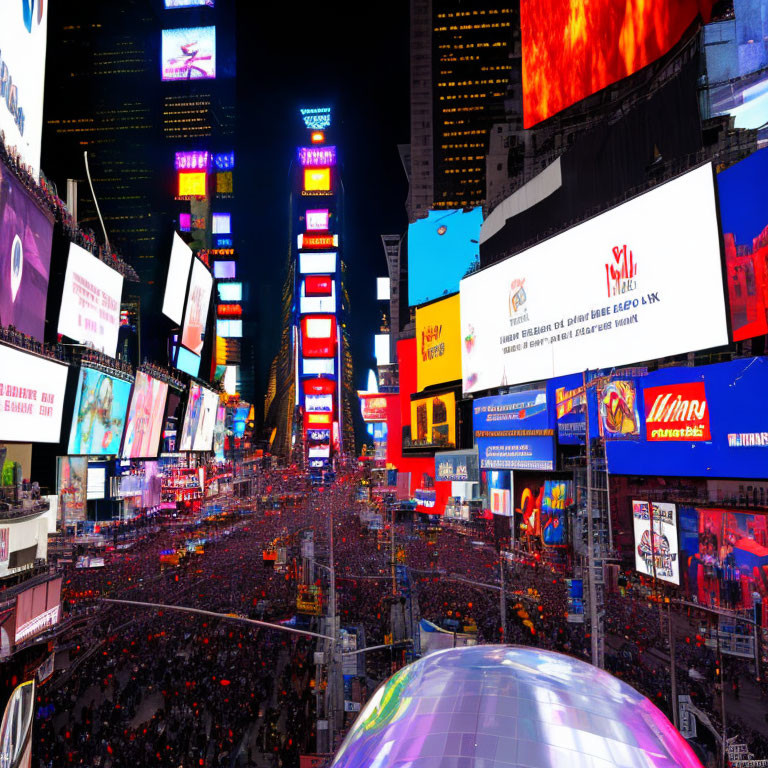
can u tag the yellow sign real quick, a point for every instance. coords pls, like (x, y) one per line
(317, 179)
(433, 421)
(438, 343)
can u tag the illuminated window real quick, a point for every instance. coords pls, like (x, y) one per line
(317, 179)
(191, 184)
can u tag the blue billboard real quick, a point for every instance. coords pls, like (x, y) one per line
(101, 404)
(441, 248)
(515, 431)
(706, 421)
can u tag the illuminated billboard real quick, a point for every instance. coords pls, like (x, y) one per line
(318, 366)
(318, 335)
(744, 221)
(26, 234)
(229, 329)
(382, 289)
(230, 291)
(101, 404)
(192, 184)
(656, 546)
(199, 419)
(23, 34)
(314, 302)
(317, 156)
(224, 161)
(441, 248)
(318, 403)
(221, 223)
(433, 422)
(199, 160)
(438, 342)
(514, 431)
(189, 53)
(316, 118)
(373, 406)
(188, 362)
(176, 283)
(609, 292)
(317, 263)
(224, 270)
(31, 396)
(196, 314)
(568, 57)
(90, 302)
(317, 219)
(317, 179)
(169, 4)
(317, 242)
(145, 418)
(72, 487)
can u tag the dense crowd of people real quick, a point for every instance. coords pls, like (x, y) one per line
(158, 687)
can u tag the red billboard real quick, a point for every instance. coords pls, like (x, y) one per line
(677, 412)
(318, 285)
(572, 50)
(318, 336)
(37, 609)
(374, 406)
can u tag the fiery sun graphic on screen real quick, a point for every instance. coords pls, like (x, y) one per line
(574, 48)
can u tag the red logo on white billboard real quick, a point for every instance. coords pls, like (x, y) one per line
(621, 273)
(517, 295)
(677, 412)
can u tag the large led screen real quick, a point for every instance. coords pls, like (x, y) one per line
(199, 419)
(196, 316)
(656, 550)
(31, 397)
(72, 487)
(101, 403)
(90, 302)
(316, 304)
(317, 263)
(145, 418)
(573, 50)
(189, 53)
(169, 4)
(176, 284)
(438, 343)
(25, 257)
(514, 431)
(611, 291)
(441, 248)
(171, 421)
(23, 33)
(744, 220)
(433, 422)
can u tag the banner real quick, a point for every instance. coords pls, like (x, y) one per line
(31, 396)
(514, 431)
(656, 548)
(438, 343)
(609, 292)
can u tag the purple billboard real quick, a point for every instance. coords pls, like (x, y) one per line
(26, 234)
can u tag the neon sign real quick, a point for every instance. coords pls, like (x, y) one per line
(317, 219)
(317, 156)
(224, 161)
(317, 118)
(318, 241)
(192, 161)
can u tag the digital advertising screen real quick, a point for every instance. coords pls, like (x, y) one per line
(528, 500)
(568, 57)
(97, 483)
(189, 53)
(23, 36)
(317, 220)
(188, 362)
(317, 179)
(176, 284)
(559, 497)
(192, 184)
(314, 304)
(618, 406)
(26, 234)
(724, 556)
(90, 302)
(72, 487)
(318, 336)
(656, 547)
(171, 421)
(31, 396)
(199, 419)
(374, 406)
(230, 291)
(317, 263)
(514, 431)
(145, 418)
(441, 248)
(318, 403)
(500, 492)
(609, 292)
(744, 220)
(98, 421)
(438, 342)
(170, 4)
(433, 422)
(224, 270)
(196, 315)
(702, 421)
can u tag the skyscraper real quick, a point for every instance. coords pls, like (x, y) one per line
(460, 68)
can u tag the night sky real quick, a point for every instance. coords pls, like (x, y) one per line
(305, 54)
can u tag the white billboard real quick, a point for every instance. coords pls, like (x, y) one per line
(23, 33)
(656, 555)
(638, 282)
(196, 314)
(90, 302)
(31, 397)
(176, 284)
(309, 305)
(317, 263)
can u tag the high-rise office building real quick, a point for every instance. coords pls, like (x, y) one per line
(460, 71)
